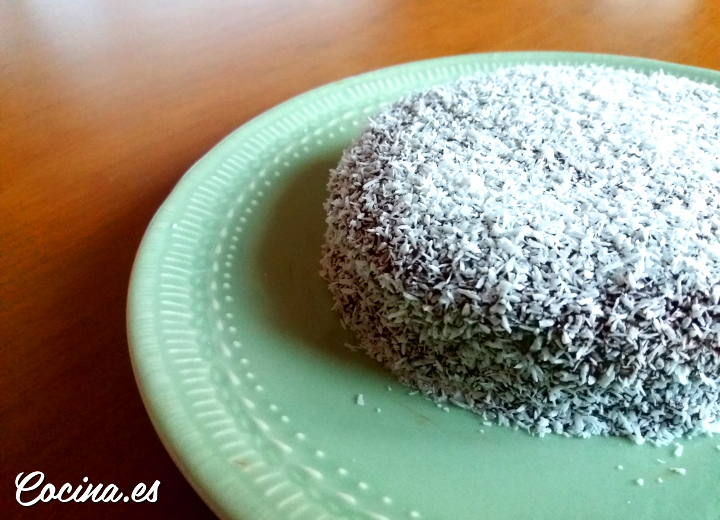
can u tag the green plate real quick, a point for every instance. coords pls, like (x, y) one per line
(242, 365)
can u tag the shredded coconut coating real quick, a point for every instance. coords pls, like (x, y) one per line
(541, 245)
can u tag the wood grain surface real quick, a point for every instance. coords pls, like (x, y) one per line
(105, 104)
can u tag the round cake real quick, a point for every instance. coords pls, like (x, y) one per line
(541, 245)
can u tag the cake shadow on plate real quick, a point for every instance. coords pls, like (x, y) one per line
(287, 262)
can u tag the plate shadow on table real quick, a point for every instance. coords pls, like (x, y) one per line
(287, 263)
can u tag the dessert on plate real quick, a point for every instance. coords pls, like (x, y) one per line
(541, 245)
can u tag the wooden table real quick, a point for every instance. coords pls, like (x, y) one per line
(104, 105)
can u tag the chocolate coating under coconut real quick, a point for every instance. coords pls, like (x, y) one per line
(540, 244)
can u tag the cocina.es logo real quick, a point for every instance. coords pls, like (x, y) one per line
(26, 485)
